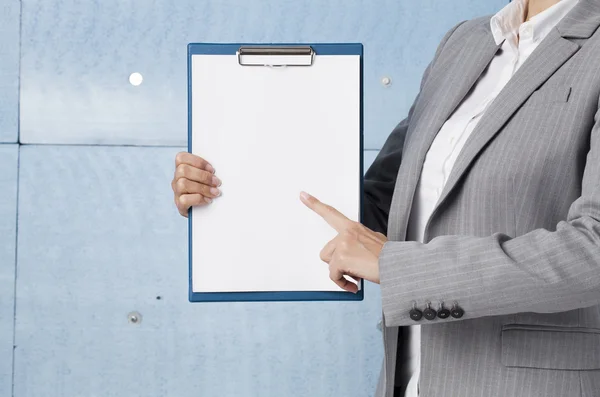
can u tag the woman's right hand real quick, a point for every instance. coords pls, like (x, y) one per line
(194, 182)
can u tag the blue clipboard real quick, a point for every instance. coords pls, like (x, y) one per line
(234, 49)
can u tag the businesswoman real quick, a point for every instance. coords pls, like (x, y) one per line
(482, 212)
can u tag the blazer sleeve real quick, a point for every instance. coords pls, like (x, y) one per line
(380, 178)
(542, 271)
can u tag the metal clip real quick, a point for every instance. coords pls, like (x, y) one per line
(276, 56)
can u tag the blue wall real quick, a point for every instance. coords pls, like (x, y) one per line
(88, 229)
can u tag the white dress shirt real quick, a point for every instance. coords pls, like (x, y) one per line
(519, 39)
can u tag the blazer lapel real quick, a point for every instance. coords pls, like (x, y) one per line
(553, 52)
(448, 85)
(582, 21)
(451, 81)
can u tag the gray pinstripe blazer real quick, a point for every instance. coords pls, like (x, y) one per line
(515, 237)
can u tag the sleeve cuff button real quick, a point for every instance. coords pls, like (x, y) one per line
(429, 314)
(416, 314)
(457, 312)
(443, 313)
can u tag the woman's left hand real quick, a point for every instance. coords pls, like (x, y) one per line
(353, 252)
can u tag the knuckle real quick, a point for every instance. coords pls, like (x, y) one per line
(207, 177)
(186, 170)
(354, 228)
(342, 251)
(323, 256)
(205, 190)
(345, 239)
(197, 199)
(181, 185)
(180, 171)
(180, 158)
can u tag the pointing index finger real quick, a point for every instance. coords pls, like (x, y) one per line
(333, 217)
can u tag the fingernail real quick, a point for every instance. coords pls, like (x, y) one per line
(208, 200)
(304, 195)
(210, 168)
(215, 192)
(216, 181)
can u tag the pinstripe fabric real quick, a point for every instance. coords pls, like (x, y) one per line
(515, 236)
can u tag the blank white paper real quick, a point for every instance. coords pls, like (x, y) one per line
(271, 133)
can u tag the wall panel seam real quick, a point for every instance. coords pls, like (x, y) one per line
(16, 256)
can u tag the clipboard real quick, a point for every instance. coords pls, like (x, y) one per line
(273, 120)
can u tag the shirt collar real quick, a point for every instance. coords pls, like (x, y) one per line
(509, 19)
